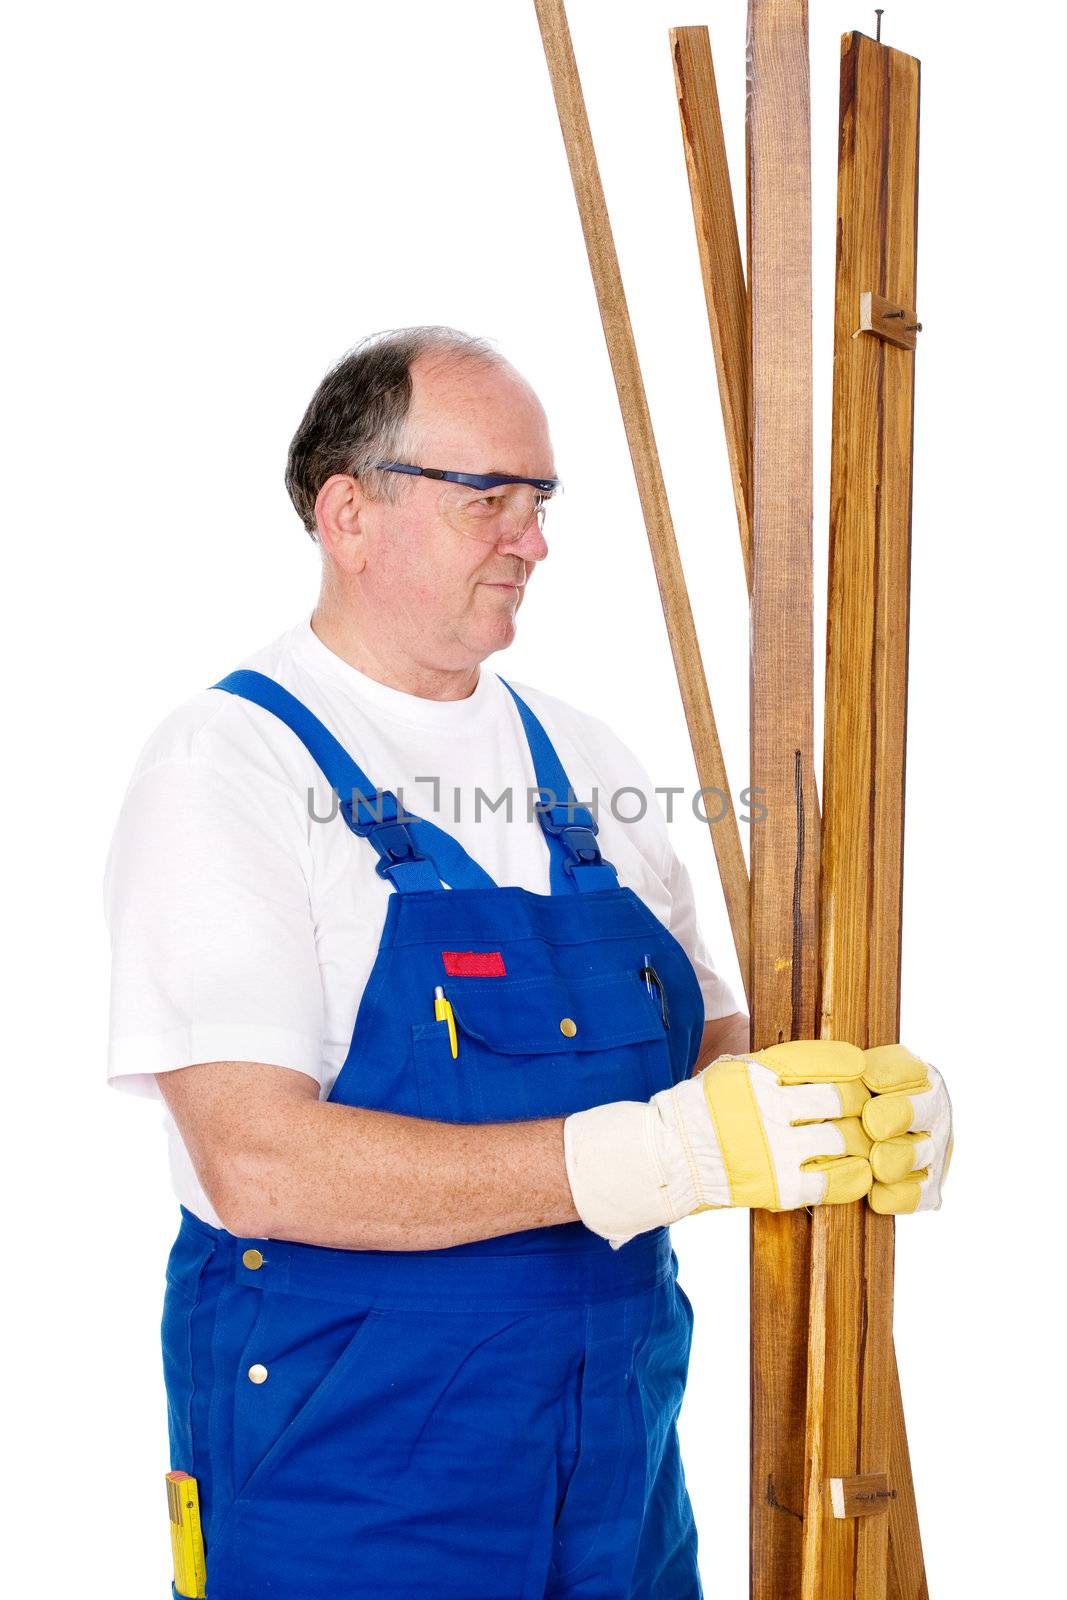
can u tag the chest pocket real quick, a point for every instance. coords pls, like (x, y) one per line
(541, 1047)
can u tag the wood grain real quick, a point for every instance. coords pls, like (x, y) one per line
(852, 1404)
(622, 351)
(719, 249)
(785, 845)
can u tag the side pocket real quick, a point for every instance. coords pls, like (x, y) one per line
(297, 1353)
(186, 1266)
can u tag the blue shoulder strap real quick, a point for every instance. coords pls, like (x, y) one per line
(415, 854)
(576, 865)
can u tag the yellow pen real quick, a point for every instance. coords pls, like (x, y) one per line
(442, 1010)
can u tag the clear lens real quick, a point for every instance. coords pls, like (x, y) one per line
(495, 516)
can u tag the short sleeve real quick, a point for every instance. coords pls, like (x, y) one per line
(207, 901)
(719, 1000)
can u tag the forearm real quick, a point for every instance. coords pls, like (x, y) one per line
(278, 1162)
(357, 1179)
(369, 1180)
(723, 1036)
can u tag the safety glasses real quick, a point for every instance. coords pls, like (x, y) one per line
(491, 507)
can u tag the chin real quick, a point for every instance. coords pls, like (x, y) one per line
(495, 636)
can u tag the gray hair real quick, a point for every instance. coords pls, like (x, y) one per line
(358, 414)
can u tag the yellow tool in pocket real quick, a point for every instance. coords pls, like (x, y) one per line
(442, 1010)
(186, 1536)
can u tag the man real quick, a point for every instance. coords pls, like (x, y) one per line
(432, 1083)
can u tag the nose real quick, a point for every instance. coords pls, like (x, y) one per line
(530, 544)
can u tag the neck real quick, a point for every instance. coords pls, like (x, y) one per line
(388, 663)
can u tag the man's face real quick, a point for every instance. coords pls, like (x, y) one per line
(448, 599)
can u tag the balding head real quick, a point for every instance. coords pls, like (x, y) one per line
(358, 415)
(471, 415)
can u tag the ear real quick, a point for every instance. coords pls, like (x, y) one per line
(339, 505)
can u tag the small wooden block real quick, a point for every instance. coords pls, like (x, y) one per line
(896, 324)
(866, 1495)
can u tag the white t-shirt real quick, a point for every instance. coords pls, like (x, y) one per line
(243, 929)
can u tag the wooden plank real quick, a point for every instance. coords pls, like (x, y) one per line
(622, 351)
(785, 845)
(720, 253)
(726, 299)
(907, 1569)
(781, 1245)
(852, 1403)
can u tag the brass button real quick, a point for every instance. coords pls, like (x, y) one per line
(253, 1260)
(258, 1373)
(568, 1027)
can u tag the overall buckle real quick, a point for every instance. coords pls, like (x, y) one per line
(581, 846)
(577, 835)
(394, 844)
(392, 839)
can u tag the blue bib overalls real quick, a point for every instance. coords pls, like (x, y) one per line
(496, 1420)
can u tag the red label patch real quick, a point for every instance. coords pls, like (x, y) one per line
(474, 963)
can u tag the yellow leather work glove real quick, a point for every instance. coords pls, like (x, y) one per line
(777, 1129)
(810, 1122)
(909, 1122)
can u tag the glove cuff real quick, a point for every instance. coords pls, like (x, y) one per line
(612, 1170)
(635, 1166)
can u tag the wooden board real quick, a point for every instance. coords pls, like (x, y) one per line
(726, 299)
(622, 350)
(722, 274)
(852, 1412)
(785, 845)
(786, 1254)
(907, 1569)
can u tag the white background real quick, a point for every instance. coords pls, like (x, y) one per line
(211, 203)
